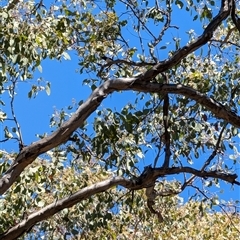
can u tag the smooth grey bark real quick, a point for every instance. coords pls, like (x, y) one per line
(146, 179)
(140, 83)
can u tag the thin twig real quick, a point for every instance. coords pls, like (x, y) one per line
(218, 206)
(214, 153)
(12, 92)
(166, 125)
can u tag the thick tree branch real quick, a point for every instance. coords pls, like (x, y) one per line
(50, 210)
(145, 180)
(215, 107)
(31, 152)
(162, 66)
(149, 176)
(230, 178)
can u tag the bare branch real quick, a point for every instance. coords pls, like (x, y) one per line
(149, 176)
(214, 153)
(166, 132)
(158, 154)
(151, 194)
(12, 92)
(4, 140)
(167, 14)
(137, 15)
(230, 178)
(129, 63)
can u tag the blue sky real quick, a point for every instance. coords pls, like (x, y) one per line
(66, 85)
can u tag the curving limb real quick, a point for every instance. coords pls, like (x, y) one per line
(234, 16)
(145, 180)
(140, 83)
(30, 153)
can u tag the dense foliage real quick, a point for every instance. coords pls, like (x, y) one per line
(124, 173)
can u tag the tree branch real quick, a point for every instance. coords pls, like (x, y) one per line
(12, 4)
(214, 153)
(12, 92)
(145, 180)
(149, 176)
(31, 152)
(162, 66)
(230, 178)
(235, 18)
(215, 107)
(50, 210)
(166, 125)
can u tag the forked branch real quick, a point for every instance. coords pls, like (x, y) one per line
(141, 83)
(145, 180)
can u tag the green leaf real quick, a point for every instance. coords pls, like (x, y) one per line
(195, 18)
(3, 116)
(48, 89)
(66, 56)
(4, 14)
(11, 42)
(140, 155)
(40, 203)
(7, 134)
(233, 157)
(39, 68)
(30, 93)
(179, 4)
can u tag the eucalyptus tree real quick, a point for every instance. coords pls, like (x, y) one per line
(124, 174)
